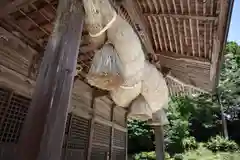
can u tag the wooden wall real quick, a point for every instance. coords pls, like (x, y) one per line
(94, 131)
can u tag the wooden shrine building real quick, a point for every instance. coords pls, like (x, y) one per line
(185, 37)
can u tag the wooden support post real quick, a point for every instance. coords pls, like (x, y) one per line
(91, 125)
(43, 131)
(159, 140)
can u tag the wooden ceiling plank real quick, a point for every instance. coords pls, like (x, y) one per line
(155, 3)
(163, 32)
(198, 34)
(162, 7)
(158, 33)
(30, 19)
(180, 37)
(161, 25)
(192, 35)
(176, 56)
(24, 32)
(174, 30)
(174, 35)
(189, 7)
(205, 32)
(136, 17)
(184, 16)
(51, 5)
(149, 4)
(13, 7)
(42, 14)
(191, 28)
(141, 7)
(174, 6)
(155, 37)
(211, 32)
(167, 26)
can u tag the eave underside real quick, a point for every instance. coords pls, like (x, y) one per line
(184, 36)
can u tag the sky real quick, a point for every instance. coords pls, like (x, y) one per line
(234, 31)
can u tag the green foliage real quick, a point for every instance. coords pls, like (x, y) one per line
(140, 136)
(138, 128)
(145, 156)
(219, 143)
(190, 143)
(179, 126)
(230, 80)
(198, 116)
(203, 153)
(149, 156)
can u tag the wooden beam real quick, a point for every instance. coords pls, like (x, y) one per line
(42, 134)
(183, 16)
(139, 24)
(11, 25)
(219, 40)
(13, 6)
(186, 58)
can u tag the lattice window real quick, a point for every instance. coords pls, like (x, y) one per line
(118, 154)
(78, 136)
(4, 95)
(101, 134)
(100, 153)
(14, 111)
(119, 138)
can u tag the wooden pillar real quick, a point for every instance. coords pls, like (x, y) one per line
(159, 141)
(91, 125)
(43, 131)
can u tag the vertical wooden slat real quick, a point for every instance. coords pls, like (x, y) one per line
(211, 31)
(174, 35)
(43, 132)
(152, 26)
(149, 4)
(191, 28)
(167, 27)
(91, 126)
(155, 4)
(198, 34)
(68, 136)
(205, 32)
(163, 32)
(158, 32)
(184, 25)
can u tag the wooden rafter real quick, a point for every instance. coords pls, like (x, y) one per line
(181, 16)
(136, 18)
(11, 7)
